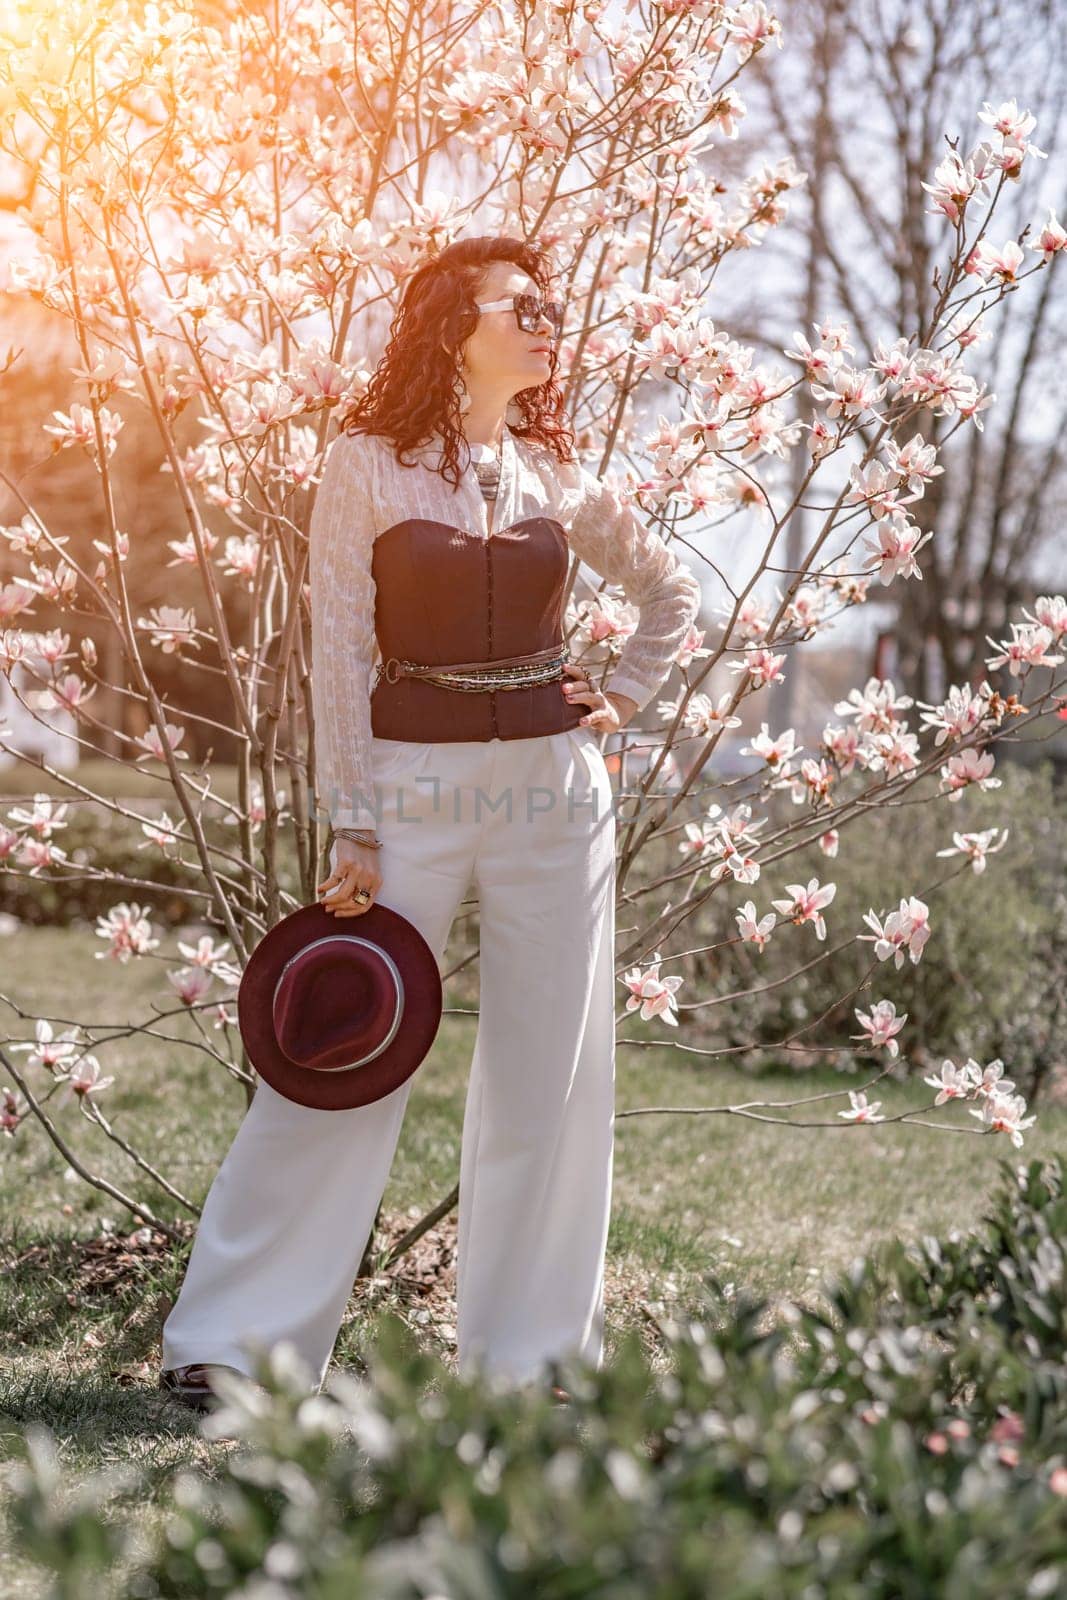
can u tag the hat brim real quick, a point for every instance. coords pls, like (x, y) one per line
(338, 1091)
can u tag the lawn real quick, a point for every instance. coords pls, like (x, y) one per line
(769, 1207)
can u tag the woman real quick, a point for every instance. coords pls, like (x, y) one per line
(435, 780)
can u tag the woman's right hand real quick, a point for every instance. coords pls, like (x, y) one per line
(357, 868)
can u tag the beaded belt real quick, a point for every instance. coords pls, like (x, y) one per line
(511, 672)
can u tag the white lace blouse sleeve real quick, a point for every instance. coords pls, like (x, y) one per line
(607, 533)
(343, 642)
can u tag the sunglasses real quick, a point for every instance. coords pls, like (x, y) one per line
(529, 310)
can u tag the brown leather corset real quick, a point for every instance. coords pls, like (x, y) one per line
(445, 595)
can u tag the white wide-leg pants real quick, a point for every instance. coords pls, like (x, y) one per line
(288, 1216)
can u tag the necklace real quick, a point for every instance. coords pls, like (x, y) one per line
(487, 471)
(487, 468)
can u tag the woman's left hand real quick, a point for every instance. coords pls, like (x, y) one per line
(607, 712)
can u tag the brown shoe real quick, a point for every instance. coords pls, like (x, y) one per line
(189, 1386)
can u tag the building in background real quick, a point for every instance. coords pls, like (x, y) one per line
(47, 735)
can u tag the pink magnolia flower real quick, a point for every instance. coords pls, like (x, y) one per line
(876, 707)
(692, 646)
(752, 618)
(815, 783)
(753, 931)
(806, 610)
(969, 766)
(736, 826)
(861, 1110)
(1004, 1114)
(829, 841)
(807, 904)
(880, 1026)
(242, 556)
(988, 1081)
(38, 853)
(894, 550)
(987, 261)
(699, 836)
(654, 995)
(26, 537)
(128, 930)
(971, 399)
(953, 1083)
(850, 392)
(68, 691)
(14, 647)
(834, 336)
(185, 549)
(906, 929)
(894, 753)
(818, 362)
(821, 437)
(878, 488)
(53, 646)
(976, 845)
(762, 666)
(775, 752)
(960, 713)
(842, 745)
(317, 379)
(891, 359)
(164, 833)
(1029, 646)
(751, 26)
(702, 717)
(956, 179)
(204, 952)
(1013, 127)
(121, 548)
(1007, 120)
(606, 620)
(1050, 611)
(79, 428)
(15, 598)
(171, 628)
(1052, 239)
(46, 1050)
(745, 869)
(915, 461)
(153, 744)
(46, 816)
(190, 983)
(83, 1080)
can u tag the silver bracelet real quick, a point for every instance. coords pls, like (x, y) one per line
(358, 836)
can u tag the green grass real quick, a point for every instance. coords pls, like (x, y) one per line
(772, 1207)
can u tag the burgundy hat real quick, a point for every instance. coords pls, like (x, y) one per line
(335, 1012)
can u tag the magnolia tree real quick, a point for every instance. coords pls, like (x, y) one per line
(225, 203)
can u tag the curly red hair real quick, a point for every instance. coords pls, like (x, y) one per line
(415, 389)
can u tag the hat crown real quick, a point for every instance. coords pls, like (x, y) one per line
(338, 1003)
(335, 1018)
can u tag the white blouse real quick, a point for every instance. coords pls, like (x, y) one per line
(364, 490)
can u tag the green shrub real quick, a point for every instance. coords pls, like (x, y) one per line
(95, 842)
(908, 1441)
(992, 981)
